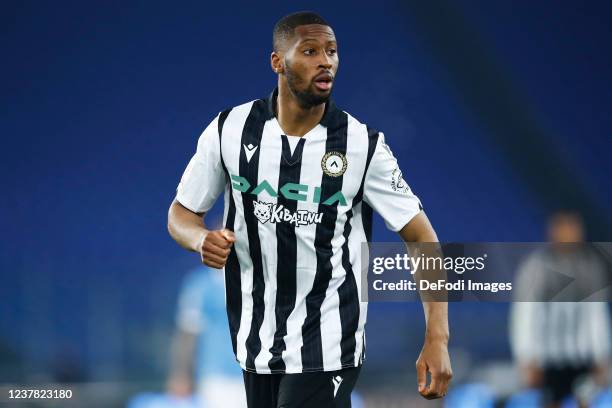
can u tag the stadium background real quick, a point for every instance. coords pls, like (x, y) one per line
(497, 111)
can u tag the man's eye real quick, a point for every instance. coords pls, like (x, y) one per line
(332, 51)
(309, 51)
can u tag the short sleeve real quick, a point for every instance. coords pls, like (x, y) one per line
(203, 179)
(386, 191)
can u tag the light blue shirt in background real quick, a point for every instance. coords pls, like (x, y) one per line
(201, 311)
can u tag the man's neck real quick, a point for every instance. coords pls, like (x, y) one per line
(293, 119)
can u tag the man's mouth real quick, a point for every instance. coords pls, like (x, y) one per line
(324, 81)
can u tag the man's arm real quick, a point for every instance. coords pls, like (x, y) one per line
(386, 191)
(182, 351)
(188, 230)
(434, 356)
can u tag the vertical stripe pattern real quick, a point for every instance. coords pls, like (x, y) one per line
(251, 136)
(366, 210)
(312, 349)
(290, 166)
(293, 275)
(269, 164)
(233, 299)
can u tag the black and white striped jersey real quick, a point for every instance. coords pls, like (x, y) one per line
(299, 211)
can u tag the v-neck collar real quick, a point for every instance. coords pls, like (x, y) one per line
(330, 110)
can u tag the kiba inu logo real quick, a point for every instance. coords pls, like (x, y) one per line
(276, 213)
(291, 191)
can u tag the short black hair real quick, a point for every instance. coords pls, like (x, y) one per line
(563, 213)
(285, 27)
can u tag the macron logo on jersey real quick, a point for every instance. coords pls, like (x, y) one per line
(249, 151)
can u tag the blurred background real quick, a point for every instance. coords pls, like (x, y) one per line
(499, 113)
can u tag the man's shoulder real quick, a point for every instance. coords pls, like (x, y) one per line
(246, 106)
(354, 122)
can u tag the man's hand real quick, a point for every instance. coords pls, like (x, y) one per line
(600, 373)
(434, 359)
(179, 385)
(532, 374)
(215, 247)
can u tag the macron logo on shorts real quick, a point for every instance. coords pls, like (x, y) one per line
(337, 380)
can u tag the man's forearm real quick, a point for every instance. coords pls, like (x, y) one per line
(185, 227)
(434, 356)
(420, 231)
(436, 320)
(182, 353)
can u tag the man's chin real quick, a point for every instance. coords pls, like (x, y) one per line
(312, 99)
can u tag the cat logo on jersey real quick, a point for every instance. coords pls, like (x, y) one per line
(278, 213)
(334, 164)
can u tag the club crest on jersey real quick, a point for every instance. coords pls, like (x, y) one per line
(334, 164)
(397, 181)
(275, 213)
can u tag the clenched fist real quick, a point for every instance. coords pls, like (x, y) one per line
(215, 247)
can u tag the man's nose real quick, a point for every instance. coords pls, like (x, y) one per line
(326, 62)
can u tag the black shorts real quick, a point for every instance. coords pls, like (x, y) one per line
(331, 389)
(559, 381)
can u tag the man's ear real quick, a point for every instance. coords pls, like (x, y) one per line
(276, 62)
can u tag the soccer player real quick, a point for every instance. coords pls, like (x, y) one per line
(300, 178)
(556, 340)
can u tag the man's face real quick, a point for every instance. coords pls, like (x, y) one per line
(565, 228)
(311, 63)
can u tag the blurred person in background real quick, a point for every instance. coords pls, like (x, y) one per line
(558, 342)
(202, 360)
